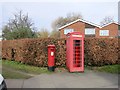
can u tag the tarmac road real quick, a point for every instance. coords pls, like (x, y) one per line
(88, 79)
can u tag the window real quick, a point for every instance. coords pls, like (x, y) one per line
(89, 31)
(104, 33)
(118, 32)
(66, 31)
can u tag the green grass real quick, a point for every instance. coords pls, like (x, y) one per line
(16, 70)
(12, 69)
(10, 74)
(24, 67)
(108, 69)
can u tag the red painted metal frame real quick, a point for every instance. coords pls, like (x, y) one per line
(71, 37)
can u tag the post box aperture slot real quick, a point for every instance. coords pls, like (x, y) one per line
(52, 49)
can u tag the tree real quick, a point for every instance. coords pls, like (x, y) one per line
(18, 27)
(43, 33)
(60, 21)
(106, 20)
(55, 34)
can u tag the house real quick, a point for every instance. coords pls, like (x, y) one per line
(110, 30)
(89, 29)
(80, 25)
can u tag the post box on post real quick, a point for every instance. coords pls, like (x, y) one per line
(51, 57)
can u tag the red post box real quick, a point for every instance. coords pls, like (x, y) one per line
(51, 57)
(75, 52)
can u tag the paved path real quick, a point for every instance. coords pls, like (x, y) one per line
(88, 79)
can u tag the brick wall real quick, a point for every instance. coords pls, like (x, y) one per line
(113, 30)
(78, 26)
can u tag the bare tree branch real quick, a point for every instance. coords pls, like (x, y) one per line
(106, 20)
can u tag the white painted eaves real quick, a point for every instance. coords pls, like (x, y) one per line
(81, 20)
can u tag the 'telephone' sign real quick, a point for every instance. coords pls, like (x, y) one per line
(76, 35)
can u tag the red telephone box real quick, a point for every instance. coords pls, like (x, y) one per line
(51, 57)
(75, 52)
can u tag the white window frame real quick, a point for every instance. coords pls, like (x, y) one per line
(89, 31)
(104, 32)
(68, 30)
(118, 32)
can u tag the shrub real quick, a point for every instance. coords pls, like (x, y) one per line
(101, 51)
(34, 51)
(98, 51)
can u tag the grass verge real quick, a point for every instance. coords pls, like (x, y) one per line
(11, 74)
(108, 68)
(12, 69)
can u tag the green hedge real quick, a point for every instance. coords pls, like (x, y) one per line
(34, 51)
(101, 51)
(98, 51)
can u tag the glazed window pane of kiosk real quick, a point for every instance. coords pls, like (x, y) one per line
(76, 54)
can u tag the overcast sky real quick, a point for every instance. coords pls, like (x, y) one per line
(44, 13)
